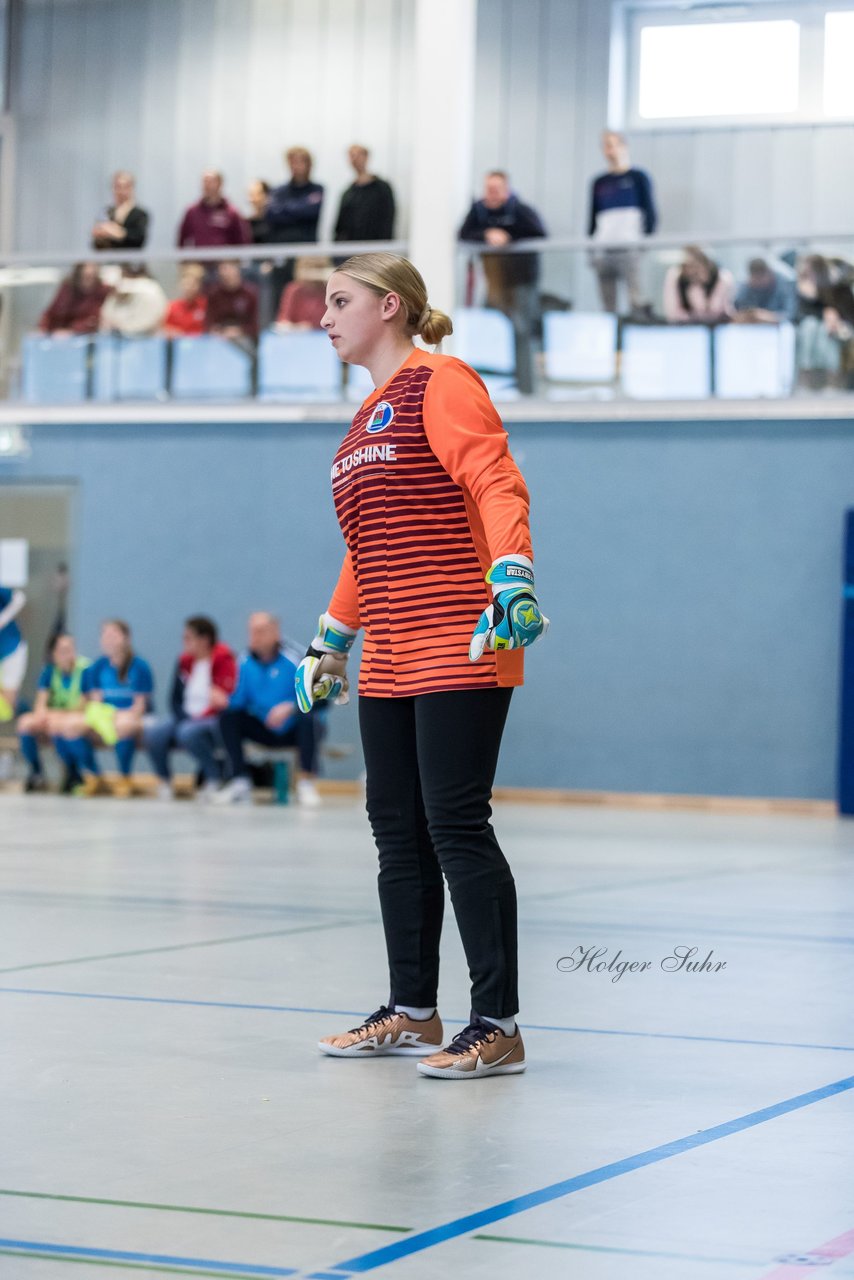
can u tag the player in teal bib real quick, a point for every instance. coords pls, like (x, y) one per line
(59, 691)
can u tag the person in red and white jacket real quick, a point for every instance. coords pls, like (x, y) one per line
(204, 679)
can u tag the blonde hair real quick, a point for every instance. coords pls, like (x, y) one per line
(384, 273)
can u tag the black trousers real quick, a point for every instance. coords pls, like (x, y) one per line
(238, 726)
(430, 766)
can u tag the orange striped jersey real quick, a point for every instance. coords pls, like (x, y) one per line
(427, 496)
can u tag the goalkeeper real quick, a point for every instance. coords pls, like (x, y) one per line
(438, 572)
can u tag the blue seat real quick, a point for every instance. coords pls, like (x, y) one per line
(754, 361)
(666, 362)
(301, 364)
(580, 346)
(208, 366)
(129, 368)
(483, 337)
(55, 370)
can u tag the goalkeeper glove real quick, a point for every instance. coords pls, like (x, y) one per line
(513, 620)
(322, 674)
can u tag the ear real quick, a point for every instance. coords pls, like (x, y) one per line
(391, 306)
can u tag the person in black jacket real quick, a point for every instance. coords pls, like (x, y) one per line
(367, 210)
(293, 213)
(125, 225)
(497, 219)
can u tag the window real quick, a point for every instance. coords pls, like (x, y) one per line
(705, 63)
(718, 69)
(838, 62)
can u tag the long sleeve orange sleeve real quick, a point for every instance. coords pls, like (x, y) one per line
(344, 604)
(468, 437)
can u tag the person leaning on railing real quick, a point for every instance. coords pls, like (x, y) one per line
(825, 323)
(76, 307)
(698, 291)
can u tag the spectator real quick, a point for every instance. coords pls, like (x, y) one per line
(497, 219)
(77, 305)
(232, 306)
(204, 679)
(366, 211)
(185, 317)
(825, 324)
(304, 299)
(293, 214)
(136, 306)
(13, 650)
(212, 221)
(622, 208)
(698, 291)
(765, 297)
(125, 225)
(259, 201)
(59, 692)
(263, 709)
(117, 688)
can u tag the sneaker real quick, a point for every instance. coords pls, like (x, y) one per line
(164, 790)
(70, 782)
(238, 791)
(307, 793)
(93, 785)
(480, 1049)
(209, 789)
(385, 1034)
(35, 782)
(122, 787)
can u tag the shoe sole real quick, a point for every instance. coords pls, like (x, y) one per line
(405, 1051)
(451, 1073)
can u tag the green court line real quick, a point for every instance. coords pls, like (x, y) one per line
(633, 1253)
(127, 1266)
(185, 946)
(216, 1213)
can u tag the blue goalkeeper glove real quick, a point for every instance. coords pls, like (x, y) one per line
(322, 674)
(513, 620)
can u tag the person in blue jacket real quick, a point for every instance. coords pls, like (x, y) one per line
(293, 214)
(118, 689)
(263, 709)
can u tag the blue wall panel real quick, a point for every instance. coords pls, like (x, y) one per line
(691, 572)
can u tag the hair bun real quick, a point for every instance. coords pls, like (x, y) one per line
(434, 325)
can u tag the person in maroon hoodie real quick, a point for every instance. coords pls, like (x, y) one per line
(212, 221)
(232, 305)
(77, 305)
(205, 676)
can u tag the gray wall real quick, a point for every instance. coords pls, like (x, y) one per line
(691, 573)
(167, 87)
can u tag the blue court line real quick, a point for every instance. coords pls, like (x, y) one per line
(557, 1190)
(121, 1255)
(356, 1013)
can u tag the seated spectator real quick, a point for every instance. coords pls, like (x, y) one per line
(232, 305)
(698, 291)
(212, 220)
(136, 307)
(825, 324)
(185, 316)
(259, 202)
(59, 692)
(125, 225)
(366, 211)
(263, 709)
(77, 305)
(303, 302)
(13, 651)
(765, 297)
(117, 692)
(205, 676)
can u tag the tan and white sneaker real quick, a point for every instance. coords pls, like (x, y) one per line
(479, 1050)
(384, 1034)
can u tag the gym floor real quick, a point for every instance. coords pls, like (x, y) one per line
(167, 969)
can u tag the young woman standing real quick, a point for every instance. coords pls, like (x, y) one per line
(438, 570)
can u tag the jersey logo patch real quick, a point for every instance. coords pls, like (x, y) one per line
(382, 416)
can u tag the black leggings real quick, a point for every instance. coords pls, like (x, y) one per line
(430, 765)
